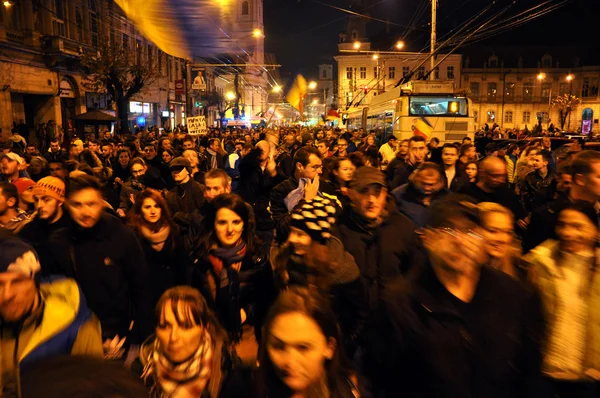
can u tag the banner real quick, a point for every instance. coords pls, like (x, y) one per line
(196, 125)
(199, 82)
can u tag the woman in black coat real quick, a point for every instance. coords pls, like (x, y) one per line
(230, 268)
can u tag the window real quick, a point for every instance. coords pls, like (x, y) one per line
(547, 61)
(585, 88)
(375, 74)
(421, 72)
(245, 8)
(138, 51)
(526, 117)
(324, 74)
(493, 61)
(93, 23)
(440, 106)
(58, 28)
(475, 89)
(349, 73)
(160, 62)
(491, 116)
(542, 116)
(563, 88)
(492, 90)
(509, 90)
(392, 72)
(546, 89)
(59, 9)
(363, 72)
(476, 116)
(349, 97)
(170, 68)
(405, 71)
(508, 117)
(450, 72)
(125, 40)
(149, 55)
(527, 91)
(437, 73)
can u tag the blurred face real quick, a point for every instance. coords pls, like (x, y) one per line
(531, 157)
(416, 152)
(35, 167)
(369, 201)
(323, 150)
(166, 157)
(563, 182)
(86, 207)
(342, 147)
(9, 167)
(150, 152)
(471, 170)
(228, 227)
(313, 168)
(497, 233)
(47, 207)
(591, 181)
(192, 157)
(345, 171)
(457, 248)
(393, 143)
(427, 182)
(403, 148)
(471, 153)
(92, 146)
(434, 143)
(495, 175)
(298, 350)
(537, 162)
(576, 232)
(180, 174)
(370, 140)
(124, 159)
(214, 146)
(449, 156)
(54, 147)
(138, 171)
(215, 187)
(106, 151)
(188, 145)
(166, 144)
(179, 342)
(299, 240)
(27, 196)
(151, 211)
(31, 150)
(57, 170)
(17, 295)
(546, 142)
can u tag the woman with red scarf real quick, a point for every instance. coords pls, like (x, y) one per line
(231, 271)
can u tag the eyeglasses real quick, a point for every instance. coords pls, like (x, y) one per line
(317, 167)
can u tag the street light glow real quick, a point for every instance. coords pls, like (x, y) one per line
(257, 33)
(312, 85)
(375, 57)
(230, 96)
(315, 102)
(276, 89)
(570, 77)
(356, 45)
(8, 3)
(541, 76)
(400, 45)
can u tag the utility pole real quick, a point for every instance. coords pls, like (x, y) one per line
(433, 36)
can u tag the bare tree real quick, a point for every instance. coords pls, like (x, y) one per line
(564, 103)
(119, 71)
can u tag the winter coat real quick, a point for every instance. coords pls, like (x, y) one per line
(503, 196)
(279, 211)
(109, 265)
(37, 231)
(410, 203)
(432, 344)
(401, 174)
(543, 272)
(511, 168)
(185, 198)
(459, 183)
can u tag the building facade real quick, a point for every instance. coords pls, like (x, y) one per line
(517, 91)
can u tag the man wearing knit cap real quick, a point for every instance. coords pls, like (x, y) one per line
(49, 196)
(38, 320)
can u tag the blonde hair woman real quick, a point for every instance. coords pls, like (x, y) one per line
(500, 244)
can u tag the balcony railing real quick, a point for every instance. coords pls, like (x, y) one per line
(62, 45)
(15, 37)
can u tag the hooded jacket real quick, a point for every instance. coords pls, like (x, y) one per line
(61, 325)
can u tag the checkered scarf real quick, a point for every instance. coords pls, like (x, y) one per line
(189, 378)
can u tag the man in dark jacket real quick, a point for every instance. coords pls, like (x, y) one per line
(536, 182)
(153, 160)
(457, 328)
(455, 179)
(414, 199)
(585, 186)
(188, 195)
(49, 195)
(303, 186)
(416, 155)
(55, 154)
(106, 260)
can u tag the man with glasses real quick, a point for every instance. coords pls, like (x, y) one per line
(417, 151)
(456, 327)
(293, 192)
(342, 145)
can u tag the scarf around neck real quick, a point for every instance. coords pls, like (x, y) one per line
(223, 257)
(156, 238)
(181, 380)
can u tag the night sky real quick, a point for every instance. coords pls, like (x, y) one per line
(304, 33)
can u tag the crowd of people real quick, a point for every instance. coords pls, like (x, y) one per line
(362, 266)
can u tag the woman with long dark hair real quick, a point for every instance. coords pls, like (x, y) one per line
(341, 171)
(163, 246)
(189, 354)
(232, 271)
(300, 355)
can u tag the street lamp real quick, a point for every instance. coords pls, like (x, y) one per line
(257, 33)
(375, 57)
(277, 89)
(315, 102)
(541, 76)
(312, 85)
(230, 96)
(8, 3)
(356, 45)
(400, 45)
(570, 77)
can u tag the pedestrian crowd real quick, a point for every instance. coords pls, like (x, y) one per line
(352, 263)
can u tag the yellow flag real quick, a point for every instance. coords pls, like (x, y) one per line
(296, 93)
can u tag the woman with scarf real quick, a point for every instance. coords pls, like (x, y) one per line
(189, 355)
(313, 257)
(160, 240)
(230, 268)
(300, 355)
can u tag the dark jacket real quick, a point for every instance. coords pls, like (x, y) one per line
(165, 171)
(410, 203)
(503, 196)
(255, 187)
(59, 156)
(531, 189)
(434, 345)
(109, 265)
(279, 210)
(391, 168)
(185, 197)
(459, 183)
(381, 252)
(401, 174)
(37, 231)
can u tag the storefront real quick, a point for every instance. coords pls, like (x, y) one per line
(142, 115)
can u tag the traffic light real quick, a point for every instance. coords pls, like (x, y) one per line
(199, 104)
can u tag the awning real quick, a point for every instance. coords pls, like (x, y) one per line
(96, 116)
